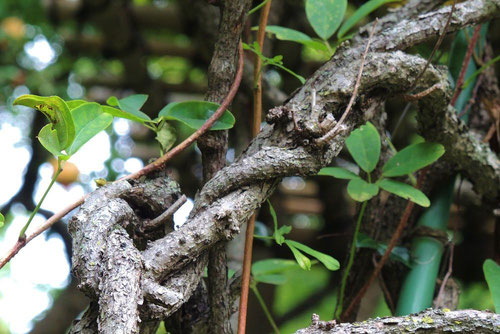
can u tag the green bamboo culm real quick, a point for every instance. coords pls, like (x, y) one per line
(417, 291)
(22, 234)
(418, 287)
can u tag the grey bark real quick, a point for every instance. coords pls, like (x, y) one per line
(106, 222)
(428, 322)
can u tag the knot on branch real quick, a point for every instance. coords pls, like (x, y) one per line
(107, 240)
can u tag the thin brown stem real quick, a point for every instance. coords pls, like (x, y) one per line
(465, 64)
(472, 100)
(392, 243)
(161, 219)
(159, 163)
(436, 46)
(333, 132)
(452, 252)
(257, 119)
(424, 93)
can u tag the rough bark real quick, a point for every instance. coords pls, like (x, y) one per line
(428, 322)
(230, 198)
(213, 147)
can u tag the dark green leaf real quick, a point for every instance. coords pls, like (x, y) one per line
(132, 105)
(360, 13)
(364, 146)
(56, 111)
(360, 190)
(89, 120)
(412, 158)
(405, 190)
(364, 241)
(302, 260)
(275, 279)
(339, 173)
(166, 136)
(272, 266)
(329, 262)
(492, 275)
(2, 220)
(400, 254)
(325, 16)
(195, 113)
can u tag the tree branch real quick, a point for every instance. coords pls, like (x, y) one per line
(428, 321)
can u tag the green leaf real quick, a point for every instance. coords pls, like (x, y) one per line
(398, 253)
(275, 61)
(360, 190)
(285, 229)
(364, 146)
(122, 114)
(2, 220)
(405, 190)
(56, 110)
(89, 120)
(492, 274)
(325, 16)
(72, 104)
(329, 262)
(360, 13)
(479, 71)
(302, 260)
(195, 113)
(365, 241)
(287, 34)
(278, 233)
(48, 138)
(339, 173)
(131, 105)
(275, 279)
(412, 158)
(272, 266)
(166, 136)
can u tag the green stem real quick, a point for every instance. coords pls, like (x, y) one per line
(328, 46)
(264, 308)
(59, 170)
(350, 261)
(256, 8)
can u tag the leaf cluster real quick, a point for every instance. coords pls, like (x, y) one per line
(73, 123)
(364, 146)
(326, 17)
(298, 249)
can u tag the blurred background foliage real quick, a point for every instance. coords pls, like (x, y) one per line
(92, 49)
